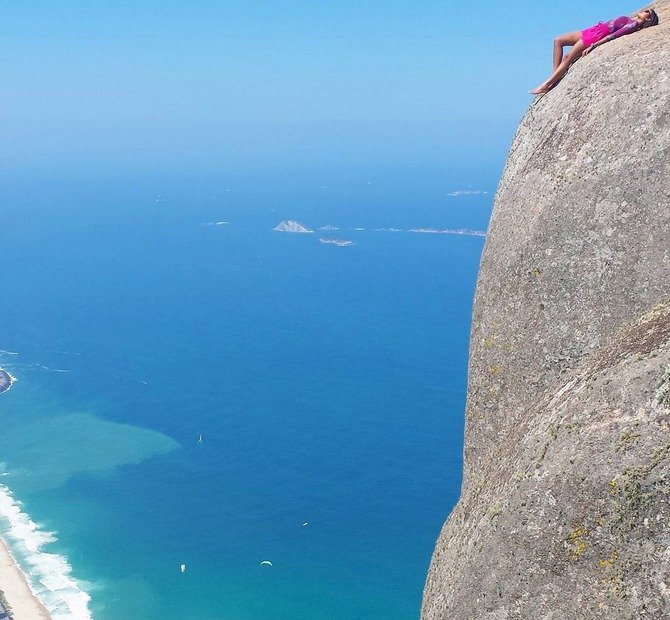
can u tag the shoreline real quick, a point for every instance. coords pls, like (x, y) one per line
(16, 592)
(45, 588)
(17, 598)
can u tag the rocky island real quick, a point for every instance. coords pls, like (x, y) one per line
(336, 241)
(6, 380)
(291, 226)
(565, 505)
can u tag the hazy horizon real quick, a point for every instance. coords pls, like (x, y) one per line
(149, 86)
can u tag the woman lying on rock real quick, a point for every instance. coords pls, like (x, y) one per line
(587, 40)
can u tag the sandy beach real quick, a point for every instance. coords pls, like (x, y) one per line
(14, 586)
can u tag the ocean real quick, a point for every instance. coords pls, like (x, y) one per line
(219, 421)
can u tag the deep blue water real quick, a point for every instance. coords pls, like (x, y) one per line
(327, 383)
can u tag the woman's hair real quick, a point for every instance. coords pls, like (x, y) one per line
(653, 19)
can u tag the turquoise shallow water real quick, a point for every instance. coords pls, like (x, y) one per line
(327, 383)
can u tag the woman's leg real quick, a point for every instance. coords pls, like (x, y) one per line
(561, 41)
(561, 70)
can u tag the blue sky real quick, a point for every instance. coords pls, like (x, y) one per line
(200, 85)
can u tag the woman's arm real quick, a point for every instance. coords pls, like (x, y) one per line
(628, 28)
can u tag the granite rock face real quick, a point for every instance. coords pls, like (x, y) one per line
(564, 511)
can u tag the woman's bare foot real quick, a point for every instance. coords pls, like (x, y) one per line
(540, 90)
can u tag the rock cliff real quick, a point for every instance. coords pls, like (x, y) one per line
(565, 505)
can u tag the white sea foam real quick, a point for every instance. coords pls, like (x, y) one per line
(43, 367)
(467, 192)
(49, 574)
(449, 231)
(221, 223)
(8, 352)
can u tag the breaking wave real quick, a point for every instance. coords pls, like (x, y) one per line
(49, 574)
